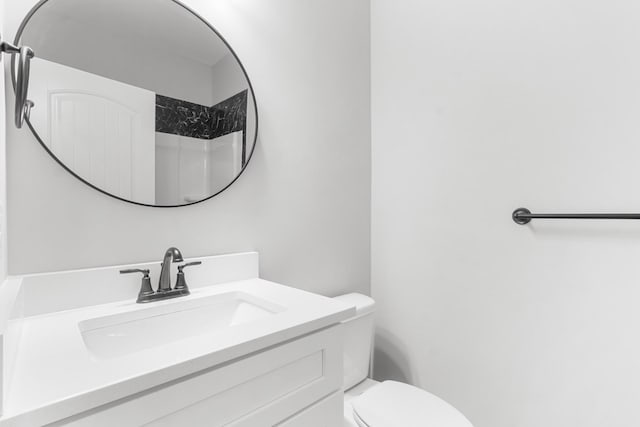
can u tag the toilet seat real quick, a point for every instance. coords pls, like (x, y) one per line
(392, 404)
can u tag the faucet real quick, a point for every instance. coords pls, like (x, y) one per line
(164, 291)
(171, 255)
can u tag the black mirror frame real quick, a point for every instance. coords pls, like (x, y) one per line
(23, 25)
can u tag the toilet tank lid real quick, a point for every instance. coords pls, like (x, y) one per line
(364, 304)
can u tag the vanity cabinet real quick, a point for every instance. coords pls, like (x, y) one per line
(238, 351)
(294, 384)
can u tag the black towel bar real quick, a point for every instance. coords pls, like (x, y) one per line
(524, 216)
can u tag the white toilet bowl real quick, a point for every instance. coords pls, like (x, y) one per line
(368, 403)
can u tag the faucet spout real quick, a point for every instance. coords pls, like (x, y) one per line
(171, 255)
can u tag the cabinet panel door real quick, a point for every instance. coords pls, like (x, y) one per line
(259, 390)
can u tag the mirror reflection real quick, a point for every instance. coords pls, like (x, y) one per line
(152, 108)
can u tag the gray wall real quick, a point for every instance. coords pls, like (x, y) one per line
(480, 108)
(304, 200)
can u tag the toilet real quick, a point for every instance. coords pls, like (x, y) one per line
(368, 403)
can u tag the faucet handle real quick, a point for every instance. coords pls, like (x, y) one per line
(145, 287)
(135, 270)
(181, 282)
(189, 264)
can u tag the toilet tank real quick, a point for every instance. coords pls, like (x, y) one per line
(358, 339)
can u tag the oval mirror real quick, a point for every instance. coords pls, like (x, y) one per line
(151, 108)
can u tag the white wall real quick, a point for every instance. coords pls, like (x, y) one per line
(4, 119)
(228, 80)
(3, 203)
(480, 108)
(304, 200)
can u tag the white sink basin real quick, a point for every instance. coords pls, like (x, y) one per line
(130, 332)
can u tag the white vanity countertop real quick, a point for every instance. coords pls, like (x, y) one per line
(55, 376)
